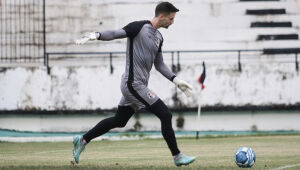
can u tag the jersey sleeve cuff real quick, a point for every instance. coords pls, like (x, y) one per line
(98, 35)
(172, 78)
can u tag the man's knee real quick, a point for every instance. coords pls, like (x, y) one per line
(123, 115)
(161, 110)
(119, 123)
(165, 116)
(168, 115)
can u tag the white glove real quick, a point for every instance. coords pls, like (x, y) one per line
(183, 86)
(88, 37)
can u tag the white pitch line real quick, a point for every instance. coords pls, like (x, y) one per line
(286, 166)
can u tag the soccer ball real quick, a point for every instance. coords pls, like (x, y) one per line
(245, 157)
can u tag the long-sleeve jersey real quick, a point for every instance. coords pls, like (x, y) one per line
(144, 44)
(143, 50)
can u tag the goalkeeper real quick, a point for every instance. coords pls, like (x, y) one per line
(144, 43)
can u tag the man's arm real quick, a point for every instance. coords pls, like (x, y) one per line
(111, 35)
(130, 30)
(105, 36)
(163, 68)
(165, 71)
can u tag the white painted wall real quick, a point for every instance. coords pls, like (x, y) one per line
(95, 88)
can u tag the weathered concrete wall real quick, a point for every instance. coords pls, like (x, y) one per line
(96, 88)
(199, 25)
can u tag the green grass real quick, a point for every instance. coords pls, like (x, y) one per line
(212, 153)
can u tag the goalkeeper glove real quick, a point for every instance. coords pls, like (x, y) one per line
(183, 86)
(88, 37)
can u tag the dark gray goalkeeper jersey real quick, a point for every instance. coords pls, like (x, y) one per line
(144, 44)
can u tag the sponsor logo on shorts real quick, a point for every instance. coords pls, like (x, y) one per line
(151, 95)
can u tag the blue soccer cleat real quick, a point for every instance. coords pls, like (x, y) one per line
(78, 147)
(183, 159)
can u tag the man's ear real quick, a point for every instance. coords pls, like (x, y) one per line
(162, 15)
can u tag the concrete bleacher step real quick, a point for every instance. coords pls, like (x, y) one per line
(281, 50)
(216, 27)
(257, 0)
(271, 24)
(265, 11)
(278, 37)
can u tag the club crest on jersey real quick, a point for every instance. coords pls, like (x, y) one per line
(151, 95)
(157, 42)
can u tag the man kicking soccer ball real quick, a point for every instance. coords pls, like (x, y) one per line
(144, 44)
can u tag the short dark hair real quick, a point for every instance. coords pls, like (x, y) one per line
(165, 8)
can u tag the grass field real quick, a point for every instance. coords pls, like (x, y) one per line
(211, 152)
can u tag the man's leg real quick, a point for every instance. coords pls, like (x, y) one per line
(119, 120)
(165, 116)
(163, 113)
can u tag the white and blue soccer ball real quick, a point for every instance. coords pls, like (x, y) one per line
(245, 157)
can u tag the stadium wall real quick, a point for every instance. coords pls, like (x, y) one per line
(84, 88)
(199, 25)
(205, 24)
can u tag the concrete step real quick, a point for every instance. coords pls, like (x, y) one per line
(278, 37)
(265, 11)
(271, 24)
(256, 0)
(281, 50)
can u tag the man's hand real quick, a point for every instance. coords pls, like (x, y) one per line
(88, 37)
(183, 86)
